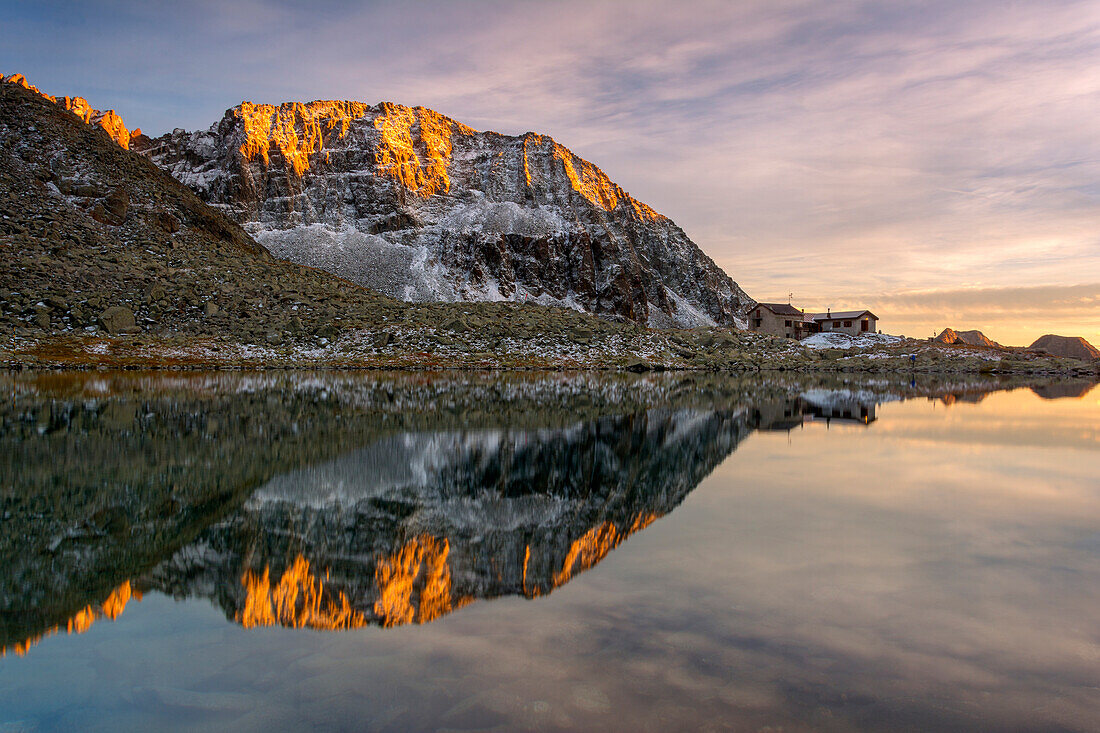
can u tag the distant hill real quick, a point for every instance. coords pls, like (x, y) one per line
(970, 338)
(1071, 347)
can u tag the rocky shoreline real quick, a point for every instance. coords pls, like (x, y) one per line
(520, 338)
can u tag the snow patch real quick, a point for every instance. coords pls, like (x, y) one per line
(833, 340)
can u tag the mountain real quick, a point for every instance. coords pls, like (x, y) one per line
(98, 241)
(970, 338)
(109, 121)
(421, 207)
(1071, 347)
(94, 234)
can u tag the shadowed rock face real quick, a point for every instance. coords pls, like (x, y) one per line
(421, 207)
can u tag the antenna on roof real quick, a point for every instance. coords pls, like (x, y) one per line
(790, 297)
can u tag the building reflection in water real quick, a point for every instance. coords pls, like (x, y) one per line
(815, 406)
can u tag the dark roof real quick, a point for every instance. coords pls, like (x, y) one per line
(782, 309)
(842, 316)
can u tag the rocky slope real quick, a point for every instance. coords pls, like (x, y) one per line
(421, 207)
(969, 338)
(108, 121)
(1070, 347)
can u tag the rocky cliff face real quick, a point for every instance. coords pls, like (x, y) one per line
(1072, 347)
(421, 207)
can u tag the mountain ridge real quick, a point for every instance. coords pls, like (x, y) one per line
(109, 121)
(419, 206)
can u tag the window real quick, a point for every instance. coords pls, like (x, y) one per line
(756, 322)
(847, 324)
(836, 324)
(787, 324)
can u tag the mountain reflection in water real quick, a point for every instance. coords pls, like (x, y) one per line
(419, 524)
(333, 502)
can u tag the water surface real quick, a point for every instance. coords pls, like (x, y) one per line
(549, 552)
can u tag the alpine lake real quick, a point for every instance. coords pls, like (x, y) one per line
(341, 551)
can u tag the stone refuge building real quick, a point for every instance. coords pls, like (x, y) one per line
(777, 319)
(783, 319)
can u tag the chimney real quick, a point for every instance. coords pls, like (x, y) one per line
(829, 312)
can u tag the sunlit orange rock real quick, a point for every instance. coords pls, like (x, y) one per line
(416, 147)
(420, 565)
(593, 547)
(82, 620)
(584, 177)
(294, 130)
(109, 120)
(298, 600)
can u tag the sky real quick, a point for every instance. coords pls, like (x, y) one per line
(936, 162)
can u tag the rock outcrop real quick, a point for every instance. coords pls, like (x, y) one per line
(1070, 347)
(969, 338)
(421, 207)
(109, 121)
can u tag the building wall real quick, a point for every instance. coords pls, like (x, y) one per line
(850, 327)
(772, 324)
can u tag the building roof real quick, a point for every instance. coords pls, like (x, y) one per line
(842, 315)
(782, 309)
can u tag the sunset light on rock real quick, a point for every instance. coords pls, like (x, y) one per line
(549, 365)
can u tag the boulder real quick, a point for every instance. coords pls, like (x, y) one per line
(117, 204)
(167, 222)
(118, 319)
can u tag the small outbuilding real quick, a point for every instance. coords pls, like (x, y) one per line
(852, 323)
